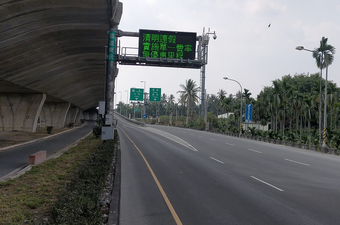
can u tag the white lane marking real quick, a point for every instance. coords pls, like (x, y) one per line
(217, 160)
(305, 164)
(270, 185)
(212, 139)
(230, 144)
(171, 137)
(200, 136)
(255, 151)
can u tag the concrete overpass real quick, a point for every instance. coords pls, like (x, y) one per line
(52, 60)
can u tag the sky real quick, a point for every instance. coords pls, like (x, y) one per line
(245, 50)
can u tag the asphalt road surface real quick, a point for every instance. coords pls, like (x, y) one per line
(182, 176)
(14, 159)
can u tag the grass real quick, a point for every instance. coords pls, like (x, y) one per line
(31, 197)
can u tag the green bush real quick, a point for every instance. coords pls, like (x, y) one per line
(80, 203)
(97, 131)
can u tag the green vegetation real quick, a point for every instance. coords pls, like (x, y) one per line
(75, 178)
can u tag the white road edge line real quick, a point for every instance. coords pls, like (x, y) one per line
(212, 139)
(230, 144)
(217, 160)
(266, 183)
(255, 151)
(305, 164)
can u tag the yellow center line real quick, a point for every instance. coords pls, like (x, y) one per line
(165, 197)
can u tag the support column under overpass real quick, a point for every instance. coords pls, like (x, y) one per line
(71, 115)
(54, 114)
(80, 116)
(20, 111)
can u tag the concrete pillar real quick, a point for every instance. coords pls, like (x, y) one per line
(20, 111)
(79, 116)
(71, 115)
(54, 114)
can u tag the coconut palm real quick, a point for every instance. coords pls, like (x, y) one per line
(190, 91)
(324, 57)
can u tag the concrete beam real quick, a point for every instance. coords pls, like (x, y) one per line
(20, 111)
(54, 114)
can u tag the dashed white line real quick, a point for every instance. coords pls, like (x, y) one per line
(217, 160)
(305, 164)
(230, 144)
(212, 139)
(255, 151)
(270, 185)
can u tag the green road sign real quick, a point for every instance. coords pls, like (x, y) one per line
(136, 94)
(136, 110)
(155, 94)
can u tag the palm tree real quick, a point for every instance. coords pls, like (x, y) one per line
(246, 95)
(190, 91)
(324, 57)
(276, 99)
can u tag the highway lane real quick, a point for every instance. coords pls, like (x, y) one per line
(224, 180)
(14, 159)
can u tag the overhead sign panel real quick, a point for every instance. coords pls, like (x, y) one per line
(155, 94)
(136, 94)
(167, 44)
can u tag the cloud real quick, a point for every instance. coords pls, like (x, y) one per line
(313, 33)
(263, 6)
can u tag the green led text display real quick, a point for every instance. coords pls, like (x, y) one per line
(167, 44)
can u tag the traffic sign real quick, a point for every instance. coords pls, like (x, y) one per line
(136, 94)
(155, 94)
(136, 110)
(144, 116)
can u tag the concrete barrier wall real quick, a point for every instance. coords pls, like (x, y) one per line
(20, 111)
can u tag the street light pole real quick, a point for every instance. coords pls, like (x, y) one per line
(120, 108)
(127, 101)
(144, 108)
(226, 78)
(300, 48)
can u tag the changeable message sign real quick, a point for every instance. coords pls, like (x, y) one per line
(249, 113)
(112, 45)
(136, 94)
(155, 94)
(167, 44)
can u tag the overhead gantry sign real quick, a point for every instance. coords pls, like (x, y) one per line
(163, 49)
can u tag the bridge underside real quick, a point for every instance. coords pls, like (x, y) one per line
(54, 52)
(55, 47)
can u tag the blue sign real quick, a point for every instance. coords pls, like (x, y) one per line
(144, 116)
(249, 113)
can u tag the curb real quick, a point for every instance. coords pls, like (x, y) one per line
(21, 170)
(115, 194)
(37, 140)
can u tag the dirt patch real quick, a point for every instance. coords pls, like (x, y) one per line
(8, 138)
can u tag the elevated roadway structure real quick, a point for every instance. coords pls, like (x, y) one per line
(52, 60)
